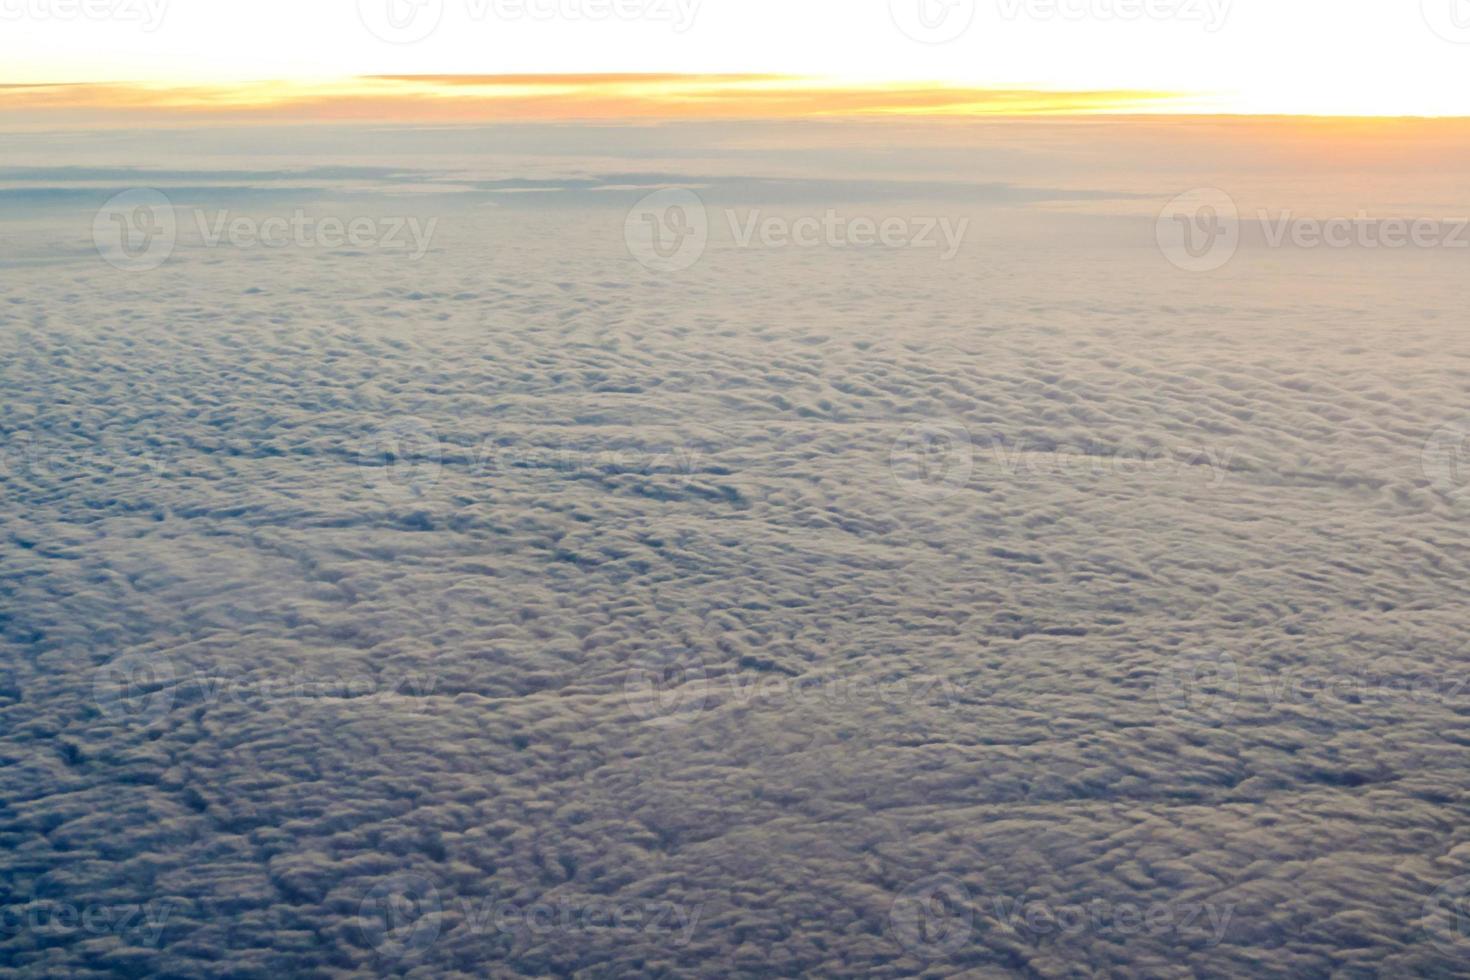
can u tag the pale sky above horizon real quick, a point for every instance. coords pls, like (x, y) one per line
(1378, 57)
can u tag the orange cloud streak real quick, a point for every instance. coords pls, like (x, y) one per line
(488, 98)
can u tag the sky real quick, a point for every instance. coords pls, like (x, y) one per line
(1373, 57)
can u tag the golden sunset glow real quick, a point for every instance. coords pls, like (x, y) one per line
(560, 97)
(553, 59)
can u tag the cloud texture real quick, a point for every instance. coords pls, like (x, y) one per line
(522, 611)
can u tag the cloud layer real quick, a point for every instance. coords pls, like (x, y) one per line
(523, 611)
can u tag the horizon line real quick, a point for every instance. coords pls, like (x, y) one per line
(619, 96)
